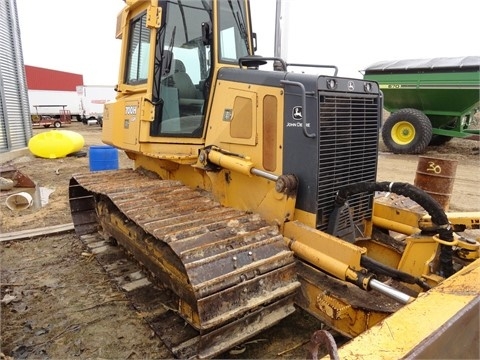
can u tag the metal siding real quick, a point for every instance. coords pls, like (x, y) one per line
(4, 44)
(15, 123)
(48, 79)
(3, 111)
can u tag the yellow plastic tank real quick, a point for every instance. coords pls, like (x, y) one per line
(56, 143)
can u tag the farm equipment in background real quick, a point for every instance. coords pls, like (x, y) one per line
(60, 118)
(430, 100)
(254, 191)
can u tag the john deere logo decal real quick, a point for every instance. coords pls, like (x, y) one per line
(297, 113)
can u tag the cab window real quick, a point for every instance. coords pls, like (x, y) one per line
(138, 51)
(182, 86)
(233, 36)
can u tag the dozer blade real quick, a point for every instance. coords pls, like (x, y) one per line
(224, 265)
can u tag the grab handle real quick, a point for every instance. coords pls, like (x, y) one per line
(304, 105)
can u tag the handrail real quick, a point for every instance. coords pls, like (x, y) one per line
(304, 105)
(316, 66)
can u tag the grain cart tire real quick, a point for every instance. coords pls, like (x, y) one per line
(407, 131)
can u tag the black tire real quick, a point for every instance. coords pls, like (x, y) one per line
(407, 131)
(438, 140)
(57, 124)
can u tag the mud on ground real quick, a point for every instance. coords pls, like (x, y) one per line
(58, 303)
(63, 305)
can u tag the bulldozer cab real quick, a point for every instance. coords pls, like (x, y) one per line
(170, 61)
(189, 83)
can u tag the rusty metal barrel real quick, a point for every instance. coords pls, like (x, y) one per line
(436, 177)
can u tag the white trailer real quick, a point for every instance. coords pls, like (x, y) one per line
(93, 100)
(54, 104)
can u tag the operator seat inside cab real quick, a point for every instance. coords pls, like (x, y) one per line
(182, 112)
(190, 98)
(183, 82)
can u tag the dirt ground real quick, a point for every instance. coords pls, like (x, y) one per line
(57, 303)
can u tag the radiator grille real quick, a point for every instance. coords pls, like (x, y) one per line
(347, 153)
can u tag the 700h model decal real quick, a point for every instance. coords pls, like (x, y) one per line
(130, 110)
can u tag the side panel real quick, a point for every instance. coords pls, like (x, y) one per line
(244, 119)
(121, 124)
(342, 150)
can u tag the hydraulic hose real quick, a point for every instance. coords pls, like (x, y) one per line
(380, 268)
(433, 208)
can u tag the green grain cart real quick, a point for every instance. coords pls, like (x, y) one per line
(430, 101)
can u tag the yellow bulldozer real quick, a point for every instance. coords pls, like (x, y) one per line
(254, 192)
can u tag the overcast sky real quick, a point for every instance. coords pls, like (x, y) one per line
(72, 35)
(79, 35)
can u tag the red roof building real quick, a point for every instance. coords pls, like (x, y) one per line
(47, 79)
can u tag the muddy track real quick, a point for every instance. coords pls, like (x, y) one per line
(232, 272)
(149, 300)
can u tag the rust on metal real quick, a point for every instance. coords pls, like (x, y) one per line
(19, 179)
(341, 305)
(222, 264)
(322, 338)
(436, 177)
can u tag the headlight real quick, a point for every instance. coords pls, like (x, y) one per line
(331, 84)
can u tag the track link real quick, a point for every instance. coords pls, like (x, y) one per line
(228, 273)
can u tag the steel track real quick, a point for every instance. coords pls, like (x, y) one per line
(218, 276)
